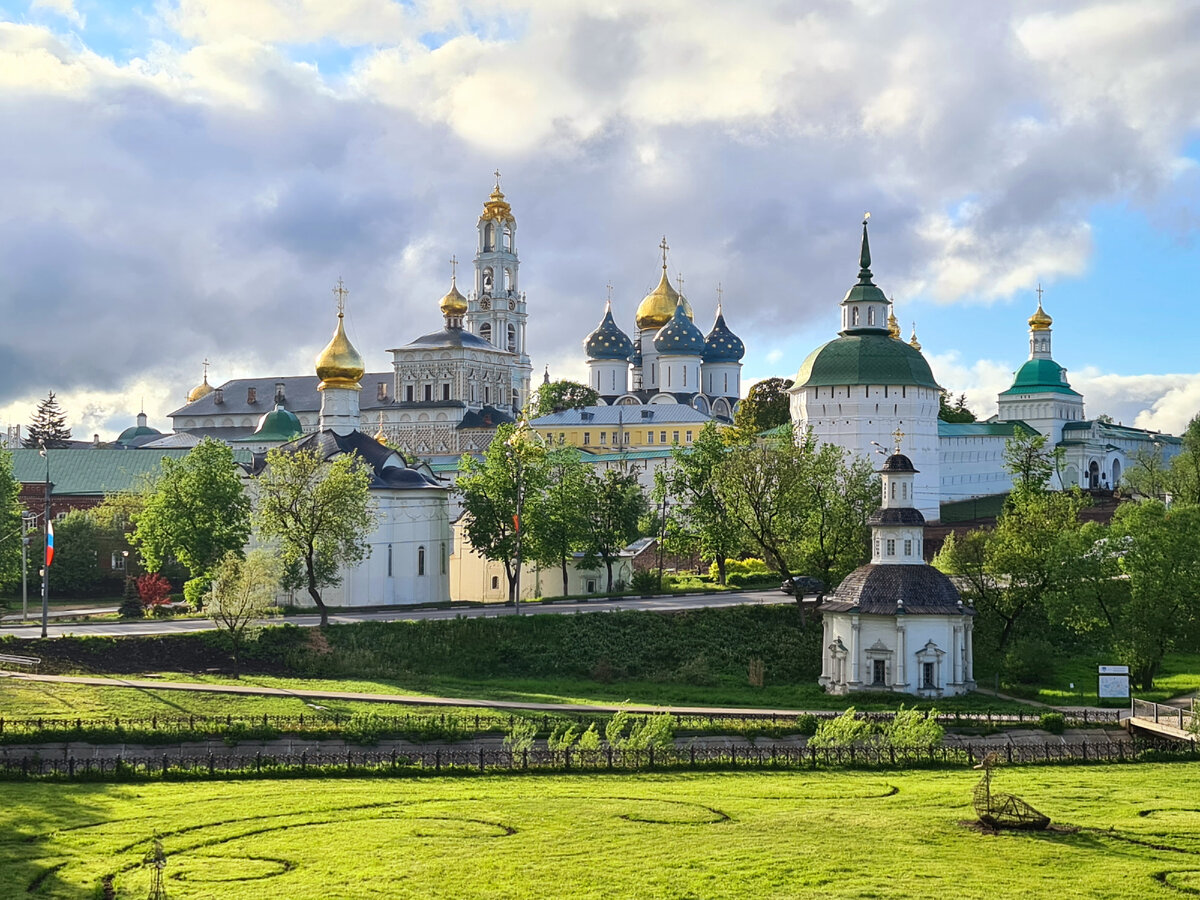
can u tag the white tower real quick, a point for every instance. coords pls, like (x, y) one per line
(721, 371)
(340, 368)
(496, 308)
(608, 350)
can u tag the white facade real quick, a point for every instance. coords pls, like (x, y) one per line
(927, 656)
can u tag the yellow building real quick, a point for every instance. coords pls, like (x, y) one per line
(597, 428)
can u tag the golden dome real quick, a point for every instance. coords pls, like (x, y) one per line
(912, 341)
(893, 325)
(203, 389)
(339, 364)
(454, 303)
(657, 308)
(496, 207)
(1040, 321)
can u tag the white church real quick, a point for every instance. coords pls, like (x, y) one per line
(867, 383)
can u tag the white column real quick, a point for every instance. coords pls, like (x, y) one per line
(826, 653)
(854, 629)
(956, 655)
(898, 678)
(970, 635)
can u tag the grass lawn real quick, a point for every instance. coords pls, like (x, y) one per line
(847, 835)
(26, 699)
(1180, 674)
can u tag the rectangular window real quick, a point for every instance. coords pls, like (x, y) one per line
(908, 548)
(891, 547)
(878, 671)
(649, 437)
(587, 438)
(616, 439)
(689, 437)
(443, 559)
(118, 562)
(428, 393)
(389, 560)
(487, 394)
(420, 560)
(627, 436)
(562, 437)
(408, 393)
(604, 437)
(662, 437)
(445, 392)
(927, 677)
(675, 437)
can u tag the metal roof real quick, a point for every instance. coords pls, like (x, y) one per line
(865, 359)
(96, 471)
(1005, 428)
(627, 416)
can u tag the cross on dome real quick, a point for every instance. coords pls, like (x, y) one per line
(720, 294)
(898, 436)
(206, 364)
(453, 267)
(339, 291)
(497, 174)
(1039, 293)
(663, 246)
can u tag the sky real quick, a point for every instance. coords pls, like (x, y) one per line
(187, 179)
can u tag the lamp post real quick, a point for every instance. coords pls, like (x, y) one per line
(46, 548)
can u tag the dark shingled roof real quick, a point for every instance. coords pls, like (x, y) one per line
(898, 463)
(374, 454)
(488, 417)
(873, 590)
(904, 515)
(449, 338)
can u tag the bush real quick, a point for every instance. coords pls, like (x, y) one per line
(562, 737)
(748, 566)
(847, 730)
(153, 589)
(195, 590)
(131, 605)
(520, 735)
(646, 580)
(365, 729)
(912, 729)
(1052, 722)
(807, 724)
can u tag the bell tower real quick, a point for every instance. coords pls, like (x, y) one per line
(496, 307)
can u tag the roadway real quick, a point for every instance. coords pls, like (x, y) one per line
(347, 617)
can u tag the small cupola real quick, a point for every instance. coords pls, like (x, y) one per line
(680, 336)
(608, 341)
(721, 345)
(865, 308)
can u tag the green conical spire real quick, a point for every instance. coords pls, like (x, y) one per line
(864, 257)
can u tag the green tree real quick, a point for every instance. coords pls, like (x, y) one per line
(495, 494)
(78, 544)
(956, 411)
(767, 405)
(49, 425)
(11, 526)
(613, 503)
(1029, 461)
(1183, 480)
(1148, 475)
(838, 493)
(556, 517)
(700, 518)
(1161, 557)
(243, 591)
(318, 513)
(196, 511)
(555, 396)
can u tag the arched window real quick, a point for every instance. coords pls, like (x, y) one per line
(854, 316)
(870, 315)
(512, 339)
(485, 331)
(487, 280)
(420, 560)
(508, 243)
(508, 280)
(489, 236)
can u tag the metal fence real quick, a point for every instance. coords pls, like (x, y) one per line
(475, 760)
(1175, 716)
(468, 723)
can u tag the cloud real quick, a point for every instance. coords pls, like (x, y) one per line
(64, 8)
(200, 198)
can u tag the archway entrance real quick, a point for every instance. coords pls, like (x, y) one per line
(1094, 475)
(1116, 473)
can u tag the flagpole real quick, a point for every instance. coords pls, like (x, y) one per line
(46, 549)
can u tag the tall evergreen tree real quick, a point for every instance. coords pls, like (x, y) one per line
(49, 425)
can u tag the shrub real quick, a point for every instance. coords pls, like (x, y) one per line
(646, 732)
(749, 566)
(1052, 722)
(562, 737)
(590, 740)
(646, 580)
(520, 735)
(195, 590)
(365, 729)
(846, 730)
(912, 729)
(807, 724)
(153, 589)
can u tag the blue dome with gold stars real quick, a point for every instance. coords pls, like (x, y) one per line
(722, 345)
(608, 341)
(679, 337)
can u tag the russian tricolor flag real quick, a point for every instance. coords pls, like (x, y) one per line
(49, 543)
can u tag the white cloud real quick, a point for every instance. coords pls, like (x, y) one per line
(64, 8)
(351, 22)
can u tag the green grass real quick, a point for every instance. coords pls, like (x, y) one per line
(27, 699)
(1180, 674)
(833, 835)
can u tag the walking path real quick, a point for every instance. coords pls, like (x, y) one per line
(411, 700)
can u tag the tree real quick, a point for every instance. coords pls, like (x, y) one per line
(11, 524)
(701, 519)
(766, 406)
(319, 514)
(49, 425)
(243, 590)
(1183, 478)
(78, 542)
(1029, 461)
(494, 493)
(556, 518)
(956, 413)
(555, 396)
(195, 511)
(1161, 557)
(612, 503)
(838, 493)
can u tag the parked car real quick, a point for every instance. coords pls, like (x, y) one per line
(801, 585)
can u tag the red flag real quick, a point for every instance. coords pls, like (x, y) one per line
(50, 543)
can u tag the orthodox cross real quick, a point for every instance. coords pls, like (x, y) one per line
(720, 294)
(609, 287)
(899, 436)
(339, 291)
(206, 364)
(497, 174)
(453, 267)
(679, 278)
(1039, 293)
(663, 246)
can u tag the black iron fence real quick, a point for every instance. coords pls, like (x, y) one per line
(481, 723)
(466, 760)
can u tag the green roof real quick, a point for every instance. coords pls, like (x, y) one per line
(978, 429)
(277, 425)
(1040, 376)
(89, 471)
(865, 359)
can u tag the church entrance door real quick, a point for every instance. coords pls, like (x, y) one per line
(1094, 475)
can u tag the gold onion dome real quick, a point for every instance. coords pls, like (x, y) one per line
(454, 303)
(912, 341)
(203, 389)
(658, 307)
(339, 364)
(1040, 320)
(893, 324)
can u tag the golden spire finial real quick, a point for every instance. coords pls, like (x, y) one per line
(1040, 320)
(497, 174)
(663, 246)
(912, 341)
(898, 437)
(893, 323)
(339, 291)
(381, 435)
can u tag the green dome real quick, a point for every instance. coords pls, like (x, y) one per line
(137, 431)
(277, 425)
(1039, 376)
(865, 359)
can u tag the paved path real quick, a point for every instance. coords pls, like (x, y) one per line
(35, 615)
(179, 626)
